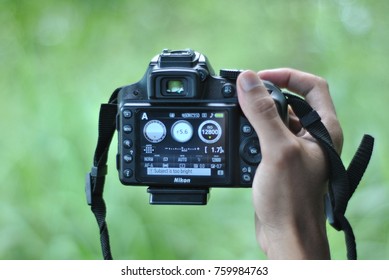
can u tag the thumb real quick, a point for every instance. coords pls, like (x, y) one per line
(260, 109)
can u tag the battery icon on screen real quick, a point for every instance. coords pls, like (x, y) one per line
(219, 115)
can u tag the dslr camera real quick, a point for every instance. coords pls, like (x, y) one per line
(181, 130)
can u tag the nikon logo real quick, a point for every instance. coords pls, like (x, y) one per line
(181, 180)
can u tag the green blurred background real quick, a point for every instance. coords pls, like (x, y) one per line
(60, 59)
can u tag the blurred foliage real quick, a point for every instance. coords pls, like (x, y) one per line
(60, 59)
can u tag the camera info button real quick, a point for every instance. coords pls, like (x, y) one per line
(128, 173)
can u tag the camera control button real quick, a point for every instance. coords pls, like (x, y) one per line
(127, 143)
(128, 173)
(127, 128)
(246, 177)
(127, 114)
(182, 131)
(247, 129)
(228, 90)
(128, 158)
(154, 131)
(250, 151)
(253, 150)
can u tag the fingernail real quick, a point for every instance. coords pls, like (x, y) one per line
(249, 80)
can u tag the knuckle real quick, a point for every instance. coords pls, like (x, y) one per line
(321, 82)
(336, 133)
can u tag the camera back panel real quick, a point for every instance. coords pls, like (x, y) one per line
(181, 130)
(188, 146)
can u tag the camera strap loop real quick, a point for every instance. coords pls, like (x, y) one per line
(95, 180)
(342, 182)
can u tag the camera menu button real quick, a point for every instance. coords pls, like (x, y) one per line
(127, 128)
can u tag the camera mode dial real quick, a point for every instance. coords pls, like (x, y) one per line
(231, 74)
(154, 131)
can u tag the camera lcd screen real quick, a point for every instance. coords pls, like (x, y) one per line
(182, 146)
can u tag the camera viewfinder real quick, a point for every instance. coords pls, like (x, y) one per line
(175, 87)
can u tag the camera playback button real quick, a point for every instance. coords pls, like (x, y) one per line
(127, 114)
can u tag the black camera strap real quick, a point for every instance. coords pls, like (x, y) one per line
(342, 181)
(95, 180)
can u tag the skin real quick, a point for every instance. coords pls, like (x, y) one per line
(290, 183)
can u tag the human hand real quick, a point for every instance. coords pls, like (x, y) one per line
(291, 180)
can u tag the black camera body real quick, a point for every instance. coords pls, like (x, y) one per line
(181, 130)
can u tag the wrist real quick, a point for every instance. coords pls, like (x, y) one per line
(302, 237)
